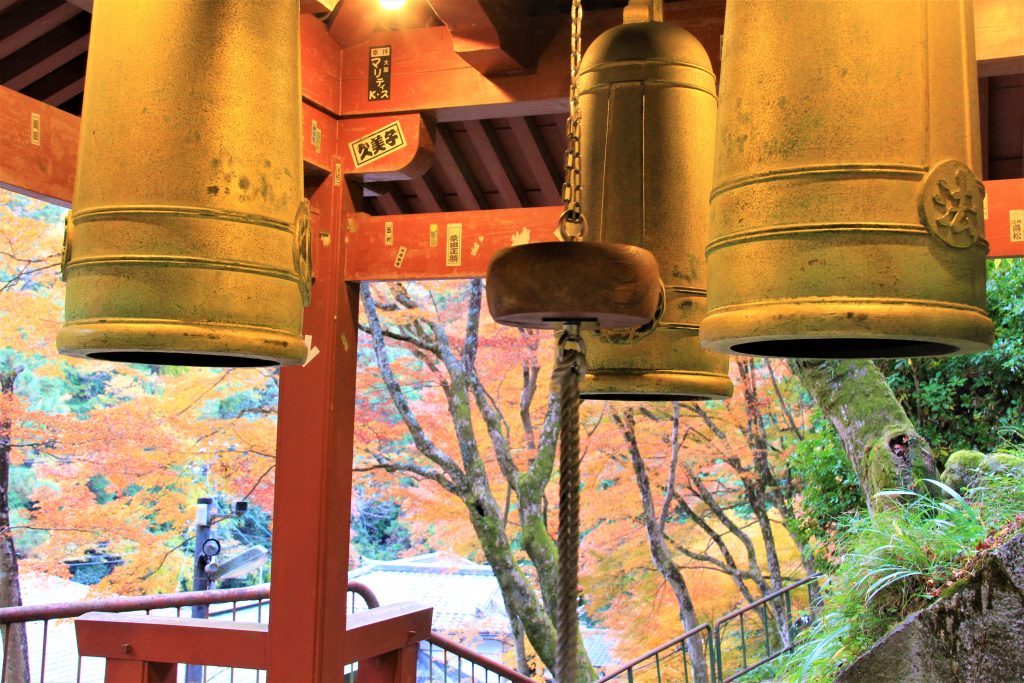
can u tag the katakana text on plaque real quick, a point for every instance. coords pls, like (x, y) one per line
(380, 73)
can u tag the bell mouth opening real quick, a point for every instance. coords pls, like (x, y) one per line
(195, 360)
(843, 348)
(648, 398)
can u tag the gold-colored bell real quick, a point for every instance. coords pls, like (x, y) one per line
(647, 106)
(188, 242)
(846, 220)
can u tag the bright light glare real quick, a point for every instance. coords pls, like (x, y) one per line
(392, 5)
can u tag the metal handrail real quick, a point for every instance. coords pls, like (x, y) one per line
(717, 664)
(485, 663)
(763, 599)
(651, 653)
(141, 603)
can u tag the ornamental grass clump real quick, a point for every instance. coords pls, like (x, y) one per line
(898, 561)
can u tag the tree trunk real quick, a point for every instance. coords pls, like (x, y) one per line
(662, 556)
(16, 666)
(884, 447)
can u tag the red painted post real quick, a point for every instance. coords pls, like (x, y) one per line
(314, 467)
(398, 666)
(131, 671)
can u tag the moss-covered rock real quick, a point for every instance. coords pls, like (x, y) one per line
(1000, 462)
(967, 469)
(962, 470)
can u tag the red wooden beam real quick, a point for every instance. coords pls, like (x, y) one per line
(495, 36)
(172, 639)
(418, 247)
(320, 58)
(383, 148)
(1004, 222)
(386, 629)
(129, 671)
(420, 239)
(38, 148)
(428, 72)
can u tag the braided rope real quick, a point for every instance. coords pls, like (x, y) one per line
(569, 370)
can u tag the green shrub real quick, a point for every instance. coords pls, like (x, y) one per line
(829, 491)
(969, 400)
(896, 562)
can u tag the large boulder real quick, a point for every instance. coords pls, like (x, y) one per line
(973, 635)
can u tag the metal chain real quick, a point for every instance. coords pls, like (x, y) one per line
(570, 368)
(572, 187)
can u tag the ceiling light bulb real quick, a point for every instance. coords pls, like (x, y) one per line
(392, 5)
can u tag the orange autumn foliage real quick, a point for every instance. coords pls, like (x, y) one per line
(115, 454)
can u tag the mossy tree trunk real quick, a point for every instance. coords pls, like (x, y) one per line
(463, 474)
(883, 445)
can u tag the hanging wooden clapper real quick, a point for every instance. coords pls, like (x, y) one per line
(572, 285)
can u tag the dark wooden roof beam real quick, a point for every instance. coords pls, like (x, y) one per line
(47, 53)
(31, 20)
(496, 163)
(546, 172)
(428, 194)
(61, 84)
(453, 165)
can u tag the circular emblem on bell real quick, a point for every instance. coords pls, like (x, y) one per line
(630, 336)
(950, 204)
(302, 251)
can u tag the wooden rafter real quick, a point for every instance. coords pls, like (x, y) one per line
(31, 20)
(497, 167)
(454, 167)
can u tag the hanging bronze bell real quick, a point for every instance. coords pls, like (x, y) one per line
(647, 107)
(846, 219)
(188, 242)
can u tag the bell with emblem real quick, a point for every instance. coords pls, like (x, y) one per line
(188, 242)
(846, 216)
(647, 106)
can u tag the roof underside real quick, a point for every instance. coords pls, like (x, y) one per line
(496, 163)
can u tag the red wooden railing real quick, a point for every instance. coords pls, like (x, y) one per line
(145, 638)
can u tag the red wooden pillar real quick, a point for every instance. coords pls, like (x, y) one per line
(314, 467)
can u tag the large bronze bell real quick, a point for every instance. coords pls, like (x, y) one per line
(188, 242)
(846, 220)
(647, 106)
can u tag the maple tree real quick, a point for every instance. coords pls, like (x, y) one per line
(419, 415)
(430, 429)
(717, 502)
(106, 460)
